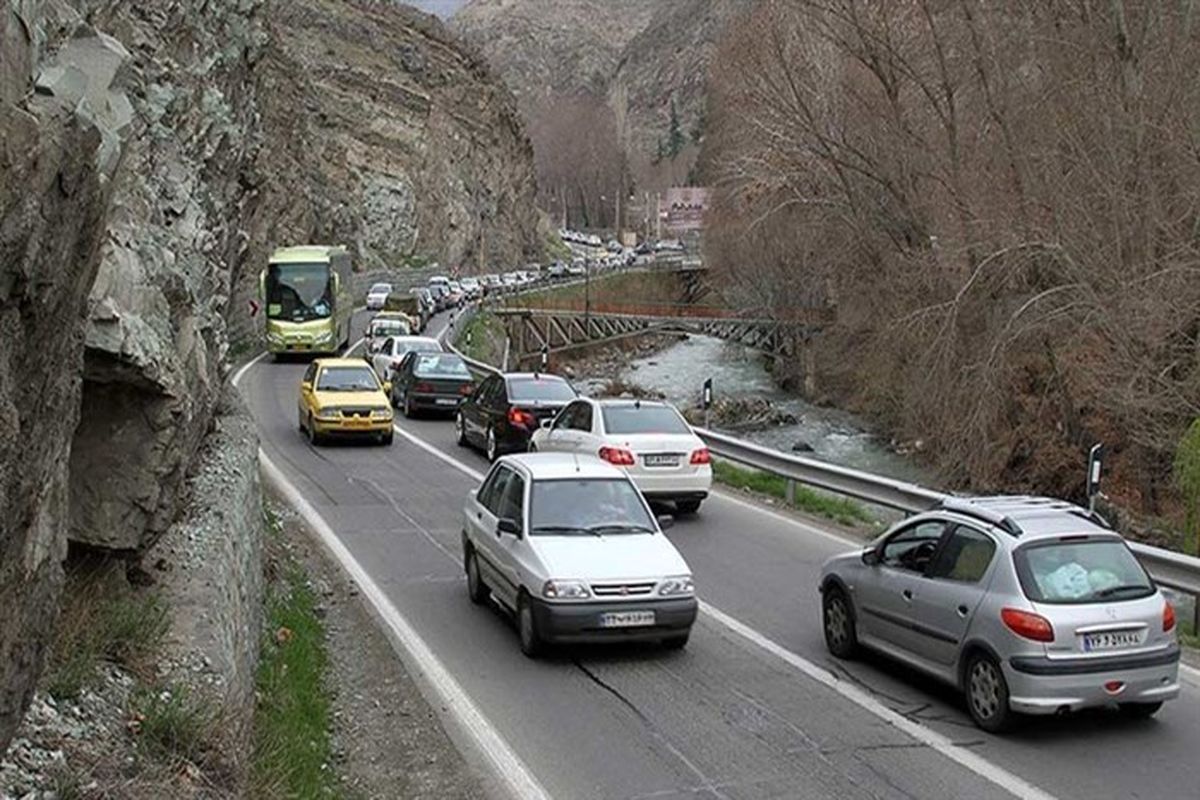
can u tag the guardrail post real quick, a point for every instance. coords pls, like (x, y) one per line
(789, 492)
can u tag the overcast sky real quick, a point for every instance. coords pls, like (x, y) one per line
(443, 8)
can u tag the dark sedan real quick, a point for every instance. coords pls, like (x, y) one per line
(430, 382)
(505, 410)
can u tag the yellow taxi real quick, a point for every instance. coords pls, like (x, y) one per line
(344, 397)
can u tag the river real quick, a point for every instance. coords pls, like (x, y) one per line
(835, 436)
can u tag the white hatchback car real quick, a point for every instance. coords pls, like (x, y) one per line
(570, 546)
(377, 295)
(650, 440)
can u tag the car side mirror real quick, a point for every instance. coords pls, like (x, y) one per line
(306, 386)
(387, 387)
(870, 557)
(509, 526)
(666, 521)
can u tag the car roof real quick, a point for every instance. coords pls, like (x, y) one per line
(417, 339)
(534, 376)
(304, 253)
(1027, 517)
(340, 362)
(629, 401)
(553, 466)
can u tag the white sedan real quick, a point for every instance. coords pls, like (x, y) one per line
(389, 354)
(650, 440)
(378, 295)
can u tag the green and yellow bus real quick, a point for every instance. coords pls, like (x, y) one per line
(307, 294)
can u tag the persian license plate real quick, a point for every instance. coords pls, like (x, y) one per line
(626, 619)
(446, 401)
(1111, 640)
(358, 422)
(660, 460)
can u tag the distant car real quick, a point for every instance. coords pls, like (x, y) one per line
(510, 280)
(613, 246)
(650, 440)
(578, 267)
(342, 397)
(457, 295)
(441, 295)
(377, 295)
(430, 381)
(473, 288)
(383, 325)
(556, 270)
(387, 358)
(1027, 605)
(572, 549)
(505, 410)
(669, 245)
(492, 283)
(426, 304)
(644, 249)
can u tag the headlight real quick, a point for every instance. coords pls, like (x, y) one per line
(328, 414)
(327, 336)
(566, 590)
(674, 587)
(381, 413)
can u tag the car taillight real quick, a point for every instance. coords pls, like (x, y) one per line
(1168, 617)
(701, 456)
(518, 417)
(616, 455)
(423, 387)
(466, 388)
(1027, 624)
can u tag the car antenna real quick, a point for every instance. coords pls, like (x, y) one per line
(576, 457)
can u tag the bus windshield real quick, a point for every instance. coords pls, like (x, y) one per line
(299, 292)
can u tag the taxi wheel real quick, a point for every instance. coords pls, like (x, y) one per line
(408, 407)
(385, 439)
(314, 438)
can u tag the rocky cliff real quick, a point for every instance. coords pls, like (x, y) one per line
(151, 153)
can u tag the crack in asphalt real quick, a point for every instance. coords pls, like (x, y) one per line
(707, 784)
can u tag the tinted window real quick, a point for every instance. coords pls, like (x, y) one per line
(388, 327)
(493, 489)
(512, 502)
(310, 373)
(440, 365)
(965, 556)
(1080, 571)
(346, 379)
(913, 547)
(572, 507)
(484, 393)
(544, 388)
(417, 345)
(643, 419)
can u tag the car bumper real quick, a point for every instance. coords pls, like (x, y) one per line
(436, 402)
(693, 486)
(372, 428)
(1038, 685)
(580, 622)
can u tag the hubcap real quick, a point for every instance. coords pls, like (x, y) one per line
(985, 689)
(836, 623)
(491, 445)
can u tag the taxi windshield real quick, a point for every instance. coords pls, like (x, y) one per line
(346, 379)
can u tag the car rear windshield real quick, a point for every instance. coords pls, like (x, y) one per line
(388, 327)
(419, 345)
(441, 365)
(381, 287)
(1080, 570)
(587, 507)
(544, 388)
(346, 379)
(631, 419)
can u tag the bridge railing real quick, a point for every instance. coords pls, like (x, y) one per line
(1176, 571)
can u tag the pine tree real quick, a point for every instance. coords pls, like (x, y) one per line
(675, 140)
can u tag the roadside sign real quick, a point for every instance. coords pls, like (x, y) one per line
(253, 307)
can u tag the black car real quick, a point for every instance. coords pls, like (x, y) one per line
(430, 381)
(505, 410)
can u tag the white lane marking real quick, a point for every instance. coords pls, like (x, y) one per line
(237, 376)
(508, 767)
(837, 537)
(934, 740)
(1190, 672)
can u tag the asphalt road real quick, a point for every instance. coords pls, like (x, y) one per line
(745, 711)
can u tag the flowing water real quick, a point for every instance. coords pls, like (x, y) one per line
(836, 436)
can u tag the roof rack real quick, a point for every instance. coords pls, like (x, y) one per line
(969, 508)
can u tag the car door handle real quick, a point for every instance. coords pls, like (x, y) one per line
(907, 595)
(963, 611)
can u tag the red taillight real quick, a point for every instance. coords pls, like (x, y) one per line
(518, 417)
(1027, 624)
(701, 456)
(616, 455)
(423, 387)
(1168, 617)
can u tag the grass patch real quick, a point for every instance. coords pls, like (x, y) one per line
(172, 725)
(292, 750)
(838, 509)
(483, 338)
(103, 619)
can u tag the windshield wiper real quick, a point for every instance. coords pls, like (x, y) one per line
(1131, 587)
(567, 529)
(620, 527)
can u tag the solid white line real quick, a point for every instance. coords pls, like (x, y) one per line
(237, 377)
(507, 766)
(935, 741)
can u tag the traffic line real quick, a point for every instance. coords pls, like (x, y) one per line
(960, 755)
(505, 764)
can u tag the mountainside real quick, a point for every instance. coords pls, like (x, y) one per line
(543, 47)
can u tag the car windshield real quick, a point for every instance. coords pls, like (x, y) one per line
(441, 365)
(1081, 570)
(591, 507)
(298, 292)
(346, 379)
(381, 288)
(633, 418)
(543, 388)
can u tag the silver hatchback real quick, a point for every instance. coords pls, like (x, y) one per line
(1028, 605)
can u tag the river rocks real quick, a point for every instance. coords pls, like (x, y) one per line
(802, 447)
(741, 413)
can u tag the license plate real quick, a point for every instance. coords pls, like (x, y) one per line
(358, 423)
(660, 461)
(446, 401)
(626, 619)
(1111, 640)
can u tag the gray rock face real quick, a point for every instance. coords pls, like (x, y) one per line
(53, 199)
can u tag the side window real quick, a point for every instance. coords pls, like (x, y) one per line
(492, 493)
(484, 390)
(566, 419)
(386, 347)
(582, 421)
(310, 374)
(499, 397)
(965, 556)
(913, 547)
(512, 504)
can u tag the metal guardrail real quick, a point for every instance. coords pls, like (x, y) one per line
(1174, 570)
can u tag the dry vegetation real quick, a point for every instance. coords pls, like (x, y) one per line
(1000, 201)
